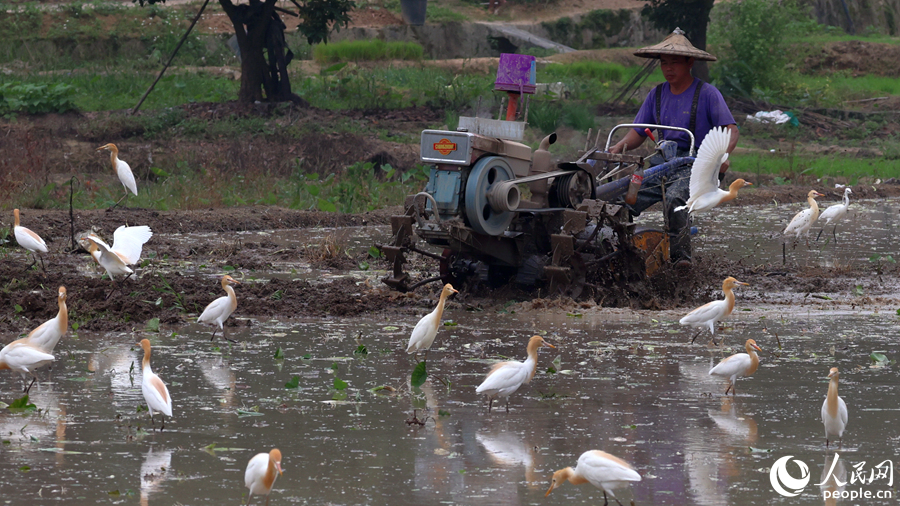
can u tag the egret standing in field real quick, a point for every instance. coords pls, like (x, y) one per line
(426, 330)
(220, 309)
(835, 213)
(122, 169)
(29, 240)
(834, 411)
(739, 365)
(708, 314)
(600, 469)
(506, 377)
(155, 392)
(24, 358)
(705, 192)
(260, 475)
(802, 221)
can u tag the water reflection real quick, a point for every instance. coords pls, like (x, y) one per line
(833, 479)
(623, 384)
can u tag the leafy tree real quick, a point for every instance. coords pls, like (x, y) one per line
(264, 52)
(692, 16)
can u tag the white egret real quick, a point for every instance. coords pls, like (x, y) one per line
(426, 330)
(122, 169)
(220, 309)
(260, 475)
(600, 469)
(155, 392)
(834, 214)
(739, 365)
(506, 377)
(28, 240)
(708, 314)
(834, 411)
(704, 189)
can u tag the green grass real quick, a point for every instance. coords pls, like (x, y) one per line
(366, 50)
(799, 167)
(440, 14)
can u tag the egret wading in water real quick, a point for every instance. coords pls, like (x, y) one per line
(24, 358)
(801, 222)
(426, 330)
(704, 190)
(155, 392)
(708, 314)
(47, 335)
(122, 170)
(128, 243)
(600, 469)
(220, 309)
(739, 365)
(834, 214)
(506, 377)
(260, 475)
(29, 240)
(834, 411)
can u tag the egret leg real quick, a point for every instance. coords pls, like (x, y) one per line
(214, 333)
(225, 336)
(249, 496)
(834, 233)
(730, 386)
(507, 404)
(490, 403)
(695, 336)
(120, 200)
(826, 442)
(267, 500)
(820, 234)
(33, 261)
(605, 499)
(163, 426)
(783, 253)
(840, 443)
(28, 388)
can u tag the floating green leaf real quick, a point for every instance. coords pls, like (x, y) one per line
(575, 315)
(382, 388)
(153, 325)
(858, 290)
(339, 384)
(294, 383)
(361, 350)
(363, 266)
(878, 359)
(21, 404)
(374, 252)
(391, 328)
(442, 412)
(228, 268)
(759, 450)
(25, 469)
(279, 354)
(307, 356)
(450, 323)
(419, 375)
(244, 413)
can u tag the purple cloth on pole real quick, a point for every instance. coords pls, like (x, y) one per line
(675, 110)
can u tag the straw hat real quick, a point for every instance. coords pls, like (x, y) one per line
(676, 43)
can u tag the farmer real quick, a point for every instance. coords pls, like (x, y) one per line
(682, 101)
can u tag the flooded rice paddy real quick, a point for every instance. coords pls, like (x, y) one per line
(627, 383)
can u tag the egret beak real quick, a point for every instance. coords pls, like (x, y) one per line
(278, 466)
(548, 345)
(820, 194)
(101, 148)
(831, 374)
(552, 486)
(748, 183)
(742, 283)
(454, 290)
(755, 347)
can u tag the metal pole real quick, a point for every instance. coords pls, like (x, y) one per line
(161, 72)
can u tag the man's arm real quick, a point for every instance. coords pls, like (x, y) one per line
(632, 139)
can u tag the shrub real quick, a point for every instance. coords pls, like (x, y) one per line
(545, 116)
(600, 71)
(35, 98)
(749, 39)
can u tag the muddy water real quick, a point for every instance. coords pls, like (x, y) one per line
(627, 383)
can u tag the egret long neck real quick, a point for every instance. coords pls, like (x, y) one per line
(16, 217)
(732, 192)
(831, 402)
(754, 360)
(231, 296)
(63, 316)
(815, 209)
(145, 364)
(573, 477)
(440, 306)
(113, 156)
(729, 299)
(846, 199)
(269, 478)
(531, 361)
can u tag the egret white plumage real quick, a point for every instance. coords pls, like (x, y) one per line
(122, 170)
(834, 214)
(47, 335)
(24, 358)
(802, 221)
(128, 242)
(505, 378)
(708, 314)
(155, 392)
(260, 474)
(426, 330)
(704, 189)
(28, 240)
(739, 365)
(600, 469)
(834, 410)
(220, 309)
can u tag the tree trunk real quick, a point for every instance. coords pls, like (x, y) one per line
(251, 24)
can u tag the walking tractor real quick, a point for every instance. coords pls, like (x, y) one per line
(502, 213)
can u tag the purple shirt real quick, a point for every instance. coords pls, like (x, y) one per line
(675, 110)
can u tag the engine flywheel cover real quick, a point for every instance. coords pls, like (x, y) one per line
(486, 173)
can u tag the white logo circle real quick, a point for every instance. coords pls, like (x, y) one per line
(783, 482)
